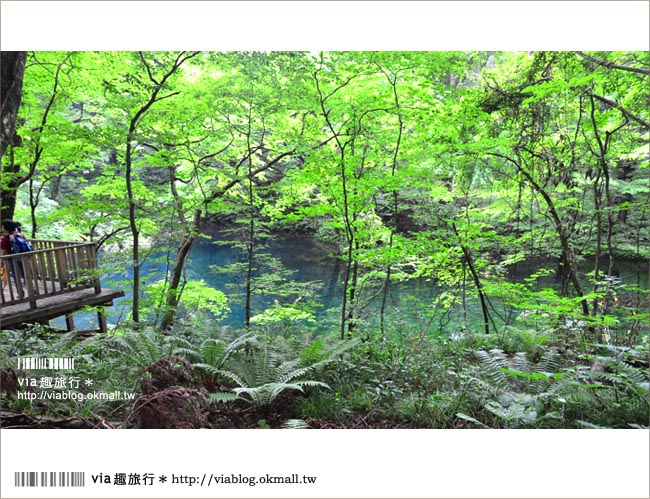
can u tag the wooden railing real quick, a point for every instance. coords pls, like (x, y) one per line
(53, 268)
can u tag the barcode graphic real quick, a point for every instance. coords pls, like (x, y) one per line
(49, 479)
(46, 363)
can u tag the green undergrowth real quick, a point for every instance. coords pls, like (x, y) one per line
(518, 379)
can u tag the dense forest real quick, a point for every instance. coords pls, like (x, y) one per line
(511, 189)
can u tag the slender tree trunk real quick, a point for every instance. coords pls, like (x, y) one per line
(173, 293)
(354, 284)
(157, 86)
(133, 224)
(345, 314)
(568, 259)
(601, 154)
(477, 281)
(250, 246)
(384, 295)
(191, 232)
(395, 207)
(599, 237)
(188, 239)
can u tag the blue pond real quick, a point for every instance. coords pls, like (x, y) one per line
(409, 305)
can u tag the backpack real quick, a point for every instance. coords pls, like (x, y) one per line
(19, 244)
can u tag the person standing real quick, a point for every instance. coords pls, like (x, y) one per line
(11, 230)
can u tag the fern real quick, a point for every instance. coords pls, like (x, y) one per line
(263, 372)
(139, 348)
(550, 362)
(517, 389)
(295, 424)
(223, 396)
(520, 392)
(264, 395)
(493, 363)
(210, 357)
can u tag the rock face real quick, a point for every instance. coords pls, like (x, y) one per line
(171, 398)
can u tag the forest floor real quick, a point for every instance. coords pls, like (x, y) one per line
(173, 398)
(229, 416)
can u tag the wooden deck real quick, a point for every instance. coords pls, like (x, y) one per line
(52, 307)
(57, 279)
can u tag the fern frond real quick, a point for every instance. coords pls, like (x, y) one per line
(287, 373)
(492, 363)
(551, 361)
(188, 353)
(295, 424)
(265, 394)
(249, 338)
(230, 375)
(312, 383)
(587, 424)
(475, 421)
(264, 361)
(223, 396)
(275, 389)
(520, 362)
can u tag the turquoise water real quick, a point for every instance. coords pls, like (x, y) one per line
(304, 262)
(410, 304)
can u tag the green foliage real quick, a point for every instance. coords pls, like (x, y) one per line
(295, 424)
(212, 353)
(127, 351)
(262, 372)
(549, 393)
(519, 178)
(198, 302)
(111, 362)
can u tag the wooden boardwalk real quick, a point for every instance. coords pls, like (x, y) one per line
(51, 307)
(57, 279)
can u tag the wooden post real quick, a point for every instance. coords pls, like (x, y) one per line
(92, 259)
(28, 275)
(62, 267)
(69, 322)
(101, 319)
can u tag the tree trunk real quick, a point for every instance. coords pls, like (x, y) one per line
(395, 199)
(12, 69)
(568, 259)
(477, 282)
(12, 65)
(173, 294)
(191, 232)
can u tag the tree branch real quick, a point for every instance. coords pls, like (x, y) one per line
(220, 192)
(611, 65)
(149, 73)
(625, 112)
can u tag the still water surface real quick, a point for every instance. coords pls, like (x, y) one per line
(410, 304)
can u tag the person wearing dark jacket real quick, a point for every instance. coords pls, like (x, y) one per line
(12, 228)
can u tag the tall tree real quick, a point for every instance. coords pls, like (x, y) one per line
(12, 66)
(13, 69)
